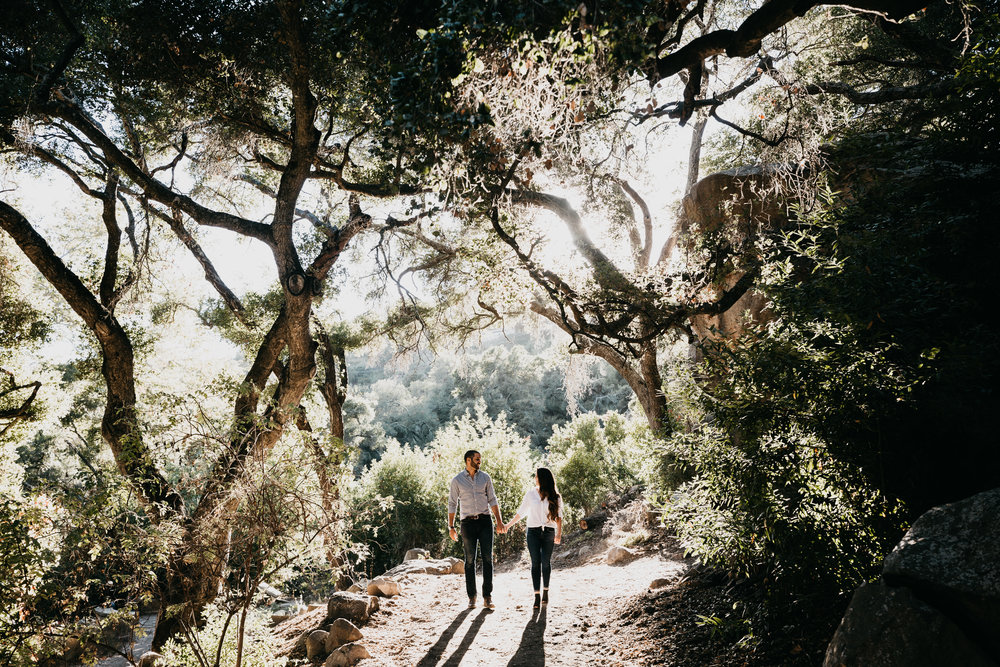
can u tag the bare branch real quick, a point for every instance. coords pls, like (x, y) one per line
(642, 260)
(211, 274)
(110, 276)
(336, 242)
(154, 189)
(769, 17)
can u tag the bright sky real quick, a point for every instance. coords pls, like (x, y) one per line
(51, 202)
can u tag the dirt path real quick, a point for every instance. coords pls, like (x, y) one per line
(430, 624)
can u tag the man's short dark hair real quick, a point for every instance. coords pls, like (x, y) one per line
(469, 454)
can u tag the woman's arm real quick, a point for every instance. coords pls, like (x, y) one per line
(558, 529)
(517, 517)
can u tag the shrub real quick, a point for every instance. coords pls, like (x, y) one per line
(394, 507)
(780, 508)
(596, 456)
(220, 636)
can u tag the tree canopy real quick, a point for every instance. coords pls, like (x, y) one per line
(450, 135)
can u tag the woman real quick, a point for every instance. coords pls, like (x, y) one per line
(542, 506)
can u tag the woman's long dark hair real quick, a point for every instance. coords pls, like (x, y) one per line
(547, 490)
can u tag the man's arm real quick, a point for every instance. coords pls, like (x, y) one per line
(500, 527)
(491, 497)
(452, 508)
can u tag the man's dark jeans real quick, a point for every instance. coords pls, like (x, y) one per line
(478, 532)
(541, 541)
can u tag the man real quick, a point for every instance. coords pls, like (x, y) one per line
(472, 491)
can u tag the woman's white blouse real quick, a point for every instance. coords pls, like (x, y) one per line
(537, 510)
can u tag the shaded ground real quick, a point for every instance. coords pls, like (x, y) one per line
(706, 619)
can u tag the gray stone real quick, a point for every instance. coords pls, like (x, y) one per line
(347, 655)
(316, 644)
(385, 587)
(416, 554)
(938, 602)
(150, 659)
(421, 566)
(341, 632)
(951, 558)
(353, 606)
(891, 627)
(619, 555)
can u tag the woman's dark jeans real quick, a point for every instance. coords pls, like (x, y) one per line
(478, 532)
(540, 544)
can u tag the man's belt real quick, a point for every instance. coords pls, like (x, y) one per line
(473, 517)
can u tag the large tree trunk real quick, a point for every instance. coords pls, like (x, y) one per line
(643, 378)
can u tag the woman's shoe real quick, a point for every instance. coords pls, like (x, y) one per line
(538, 599)
(545, 596)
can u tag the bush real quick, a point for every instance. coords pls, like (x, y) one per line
(780, 508)
(220, 635)
(597, 456)
(394, 507)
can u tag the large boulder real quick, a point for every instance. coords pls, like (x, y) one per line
(951, 557)
(886, 626)
(341, 632)
(735, 205)
(938, 602)
(355, 607)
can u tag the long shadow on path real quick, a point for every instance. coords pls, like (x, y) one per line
(531, 651)
(435, 652)
(456, 658)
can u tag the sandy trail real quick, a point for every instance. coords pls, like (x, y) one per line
(430, 624)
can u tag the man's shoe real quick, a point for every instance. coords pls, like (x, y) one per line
(488, 603)
(472, 602)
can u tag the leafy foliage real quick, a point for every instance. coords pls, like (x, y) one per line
(837, 407)
(414, 403)
(596, 456)
(219, 637)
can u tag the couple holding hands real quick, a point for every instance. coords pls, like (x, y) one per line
(472, 497)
